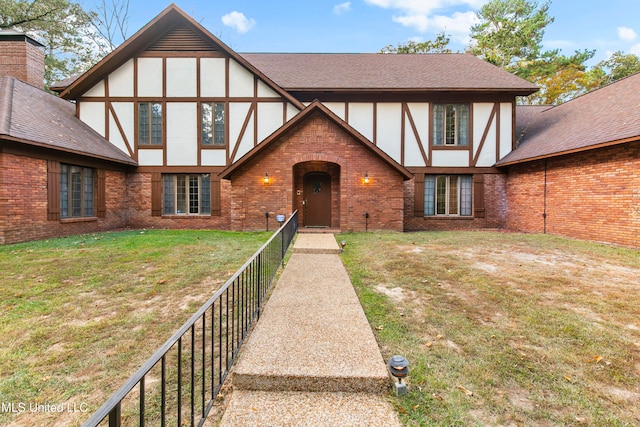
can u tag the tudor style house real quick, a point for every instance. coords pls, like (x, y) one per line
(176, 130)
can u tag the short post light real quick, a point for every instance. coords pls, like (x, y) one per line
(399, 368)
(342, 245)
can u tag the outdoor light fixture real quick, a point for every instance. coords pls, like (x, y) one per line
(399, 368)
(266, 178)
(342, 245)
(366, 178)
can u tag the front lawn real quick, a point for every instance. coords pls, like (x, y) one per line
(79, 315)
(504, 329)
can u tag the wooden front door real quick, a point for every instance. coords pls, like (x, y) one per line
(317, 199)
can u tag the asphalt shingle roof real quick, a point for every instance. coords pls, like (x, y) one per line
(374, 71)
(605, 116)
(32, 116)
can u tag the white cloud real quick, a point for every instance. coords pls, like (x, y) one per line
(626, 34)
(238, 21)
(341, 8)
(635, 49)
(423, 7)
(419, 22)
(421, 15)
(459, 25)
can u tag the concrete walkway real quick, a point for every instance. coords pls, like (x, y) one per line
(312, 359)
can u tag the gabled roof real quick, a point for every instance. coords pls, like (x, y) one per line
(386, 72)
(606, 116)
(314, 107)
(34, 117)
(172, 19)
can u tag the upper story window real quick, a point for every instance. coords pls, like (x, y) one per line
(212, 124)
(451, 124)
(150, 123)
(447, 195)
(76, 191)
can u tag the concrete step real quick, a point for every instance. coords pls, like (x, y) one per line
(316, 244)
(259, 408)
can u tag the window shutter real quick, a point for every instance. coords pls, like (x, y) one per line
(53, 190)
(215, 197)
(156, 194)
(418, 195)
(101, 196)
(478, 195)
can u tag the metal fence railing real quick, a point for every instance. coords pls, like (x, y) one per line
(179, 383)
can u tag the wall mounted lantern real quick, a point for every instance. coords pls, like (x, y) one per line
(366, 178)
(266, 178)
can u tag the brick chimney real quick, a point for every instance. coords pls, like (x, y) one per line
(22, 57)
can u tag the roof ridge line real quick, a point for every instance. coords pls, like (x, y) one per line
(6, 94)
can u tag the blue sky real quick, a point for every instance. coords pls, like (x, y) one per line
(370, 25)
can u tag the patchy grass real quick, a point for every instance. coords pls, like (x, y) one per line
(79, 315)
(504, 329)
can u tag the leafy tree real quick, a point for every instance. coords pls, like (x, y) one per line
(61, 25)
(559, 77)
(74, 38)
(439, 45)
(618, 66)
(509, 31)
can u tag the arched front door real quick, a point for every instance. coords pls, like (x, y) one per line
(317, 199)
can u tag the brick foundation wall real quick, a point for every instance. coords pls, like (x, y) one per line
(23, 60)
(318, 144)
(23, 203)
(590, 196)
(495, 209)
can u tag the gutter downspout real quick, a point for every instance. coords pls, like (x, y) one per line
(544, 212)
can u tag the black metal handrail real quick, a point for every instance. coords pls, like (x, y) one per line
(205, 346)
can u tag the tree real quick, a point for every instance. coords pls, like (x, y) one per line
(63, 26)
(618, 66)
(111, 22)
(559, 77)
(74, 38)
(509, 31)
(439, 45)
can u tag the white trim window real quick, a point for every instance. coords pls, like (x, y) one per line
(450, 124)
(186, 194)
(447, 195)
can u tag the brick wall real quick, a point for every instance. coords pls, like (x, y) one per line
(23, 60)
(592, 196)
(495, 209)
(318, 144)
(23, 202)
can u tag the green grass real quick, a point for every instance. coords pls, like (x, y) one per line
(79, 315)
(542, 330)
